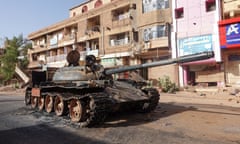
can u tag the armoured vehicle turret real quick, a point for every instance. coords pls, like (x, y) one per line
(87, 94)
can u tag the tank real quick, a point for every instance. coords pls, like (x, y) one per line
(87, 94)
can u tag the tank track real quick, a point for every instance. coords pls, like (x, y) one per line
(100, 107)
(153, 100)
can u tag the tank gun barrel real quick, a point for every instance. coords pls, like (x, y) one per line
(183, 59)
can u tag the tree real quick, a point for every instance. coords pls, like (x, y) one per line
(23, 61)
(9, 59)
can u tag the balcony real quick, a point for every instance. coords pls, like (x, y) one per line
(57, 61)
(83, 54)
(119, 42)
(56, 58)
(94, 31)
(121, 17)
(33, 64)
(39, 48)
(160, 42)
(67, 40)
(157, 46)
(231, 8)
(121, 22)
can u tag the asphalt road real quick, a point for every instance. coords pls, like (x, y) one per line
(170, 123)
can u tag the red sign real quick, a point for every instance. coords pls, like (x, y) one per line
(229, 33)
(36, 92)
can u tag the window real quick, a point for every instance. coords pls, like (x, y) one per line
(151, 5)
(210, 5)
(98, 3)
(154, 32)
(74, 13)
(135, 36)
(162, 4)
(84, 9)
(179, 13)
(34, 57)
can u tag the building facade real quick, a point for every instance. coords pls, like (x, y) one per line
(129, 32)
(229, 28)
(196, 30)
(117, 32)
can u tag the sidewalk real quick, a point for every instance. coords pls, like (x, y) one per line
(11, 91)
(223, 98)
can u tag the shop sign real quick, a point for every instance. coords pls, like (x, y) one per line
(112, 62)
(233, 33)
(83, 54)
(93, 52)
(197, 44)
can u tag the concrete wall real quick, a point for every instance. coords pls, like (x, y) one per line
(196, 21)
(159, 72)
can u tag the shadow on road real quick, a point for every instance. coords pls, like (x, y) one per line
(124, 119)
(165, 110)
(217, 109)
(10, 100)
(131, 118)
(43, 134)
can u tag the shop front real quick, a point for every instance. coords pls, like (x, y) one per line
(205, 72)
(112, 61)
(230, 45)
(154, 73)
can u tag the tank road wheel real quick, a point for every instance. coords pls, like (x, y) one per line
(49, 104)
(59, 106)
(76, 110)
(28, 97)
(40, 103)
(34, 102)
(153, 101)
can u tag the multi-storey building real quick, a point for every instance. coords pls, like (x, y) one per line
(117, 32)
(196, 30)
(229, 28)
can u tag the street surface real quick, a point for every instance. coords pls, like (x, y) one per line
(178, 119)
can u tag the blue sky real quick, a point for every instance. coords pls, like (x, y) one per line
(26, 16)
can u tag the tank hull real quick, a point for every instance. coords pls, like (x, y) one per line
(90, 105)
(87, 94)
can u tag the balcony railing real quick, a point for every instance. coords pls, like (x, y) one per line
(83, 54)
(231, 6)
(39, 48)
(56, 58)
(121, 22)
(93, 31)
(119, 42)
(69, 37)
(121, 17)
(33, 64)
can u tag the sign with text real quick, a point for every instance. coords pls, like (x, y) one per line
(197, 44)
(233, 33)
